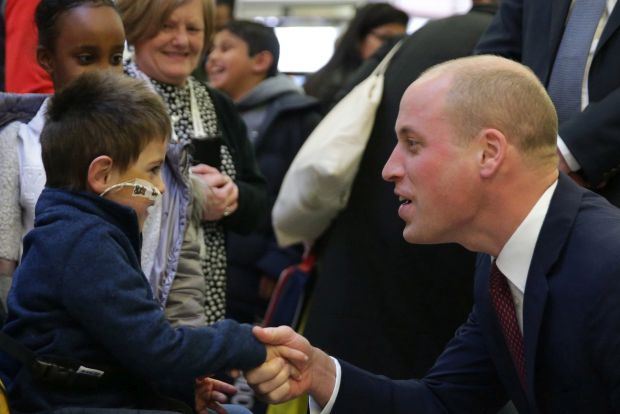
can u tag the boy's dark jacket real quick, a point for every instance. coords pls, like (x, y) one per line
(287, 119)
(79, 293)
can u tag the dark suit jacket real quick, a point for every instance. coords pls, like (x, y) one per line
(571, 330)
(379, 302)
(530, 31)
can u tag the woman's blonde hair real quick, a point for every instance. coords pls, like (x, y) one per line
(143, 19)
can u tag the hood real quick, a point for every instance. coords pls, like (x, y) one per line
(19, 107)
(267, 90)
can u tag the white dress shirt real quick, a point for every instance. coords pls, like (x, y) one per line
(585, 97)
(515, 257)
(513, 261)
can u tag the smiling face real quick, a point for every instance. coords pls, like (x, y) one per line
(435, 176)
(174, 52)
(147, 167)
(89, 38)
(230, 66)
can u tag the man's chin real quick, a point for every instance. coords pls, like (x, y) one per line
(416, 237)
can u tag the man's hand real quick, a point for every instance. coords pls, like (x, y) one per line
(315, 375)
(210, 393)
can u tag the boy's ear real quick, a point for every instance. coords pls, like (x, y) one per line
(44, 57)
(261, 62)
(99, 172)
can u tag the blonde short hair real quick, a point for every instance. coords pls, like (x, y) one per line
(144, 18)
(493, 92)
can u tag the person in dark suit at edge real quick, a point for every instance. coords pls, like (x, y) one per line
(476, 163)
(573, 46)
(413, 296)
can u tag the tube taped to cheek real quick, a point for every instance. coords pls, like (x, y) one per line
(141, 188)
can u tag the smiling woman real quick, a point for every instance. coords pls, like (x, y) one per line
(169, 38)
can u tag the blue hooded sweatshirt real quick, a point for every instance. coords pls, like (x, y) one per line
(79, 293)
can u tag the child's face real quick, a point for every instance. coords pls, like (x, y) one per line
(147, 167)
(89, 38)
(230, 66)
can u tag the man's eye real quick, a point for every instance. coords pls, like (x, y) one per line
(413, 145)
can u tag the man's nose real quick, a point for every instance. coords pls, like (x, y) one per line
(392, 168)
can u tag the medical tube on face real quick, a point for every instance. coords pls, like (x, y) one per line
(141, 188)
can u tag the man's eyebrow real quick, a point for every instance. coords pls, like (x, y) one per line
(406, 130)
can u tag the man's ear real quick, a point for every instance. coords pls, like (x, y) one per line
(261, 62)
(99, 173)
(492, 151)
(44, 57)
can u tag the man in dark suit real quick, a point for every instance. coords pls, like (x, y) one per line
(476, 163)
(532, 32)
(367, 275)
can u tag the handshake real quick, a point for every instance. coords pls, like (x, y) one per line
(293, 367)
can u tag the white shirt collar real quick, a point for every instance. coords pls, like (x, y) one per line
(516, 255)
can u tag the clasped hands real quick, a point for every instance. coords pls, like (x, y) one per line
(221, 192)
(283, 376)
(293, 367)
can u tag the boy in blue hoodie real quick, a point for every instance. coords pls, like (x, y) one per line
(79, 298)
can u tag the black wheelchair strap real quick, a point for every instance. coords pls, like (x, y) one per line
(56, 371)
(69, 374)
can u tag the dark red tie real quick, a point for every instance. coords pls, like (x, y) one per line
(507, 316)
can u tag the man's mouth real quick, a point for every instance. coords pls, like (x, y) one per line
(404, 201)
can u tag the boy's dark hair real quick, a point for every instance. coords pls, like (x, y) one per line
(259, 38)
(99, 113)
(48, 12)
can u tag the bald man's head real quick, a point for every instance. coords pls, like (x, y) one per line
(493, 92)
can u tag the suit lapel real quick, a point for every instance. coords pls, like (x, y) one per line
(553, 235)
(610, 28)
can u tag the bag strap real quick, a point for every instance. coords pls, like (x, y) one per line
(53, 371)
(383, 65)
(306, 265)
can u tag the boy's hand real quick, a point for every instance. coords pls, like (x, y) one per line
(210, 393)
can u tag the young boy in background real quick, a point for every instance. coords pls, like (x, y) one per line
(279, 117)
(79, 298)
